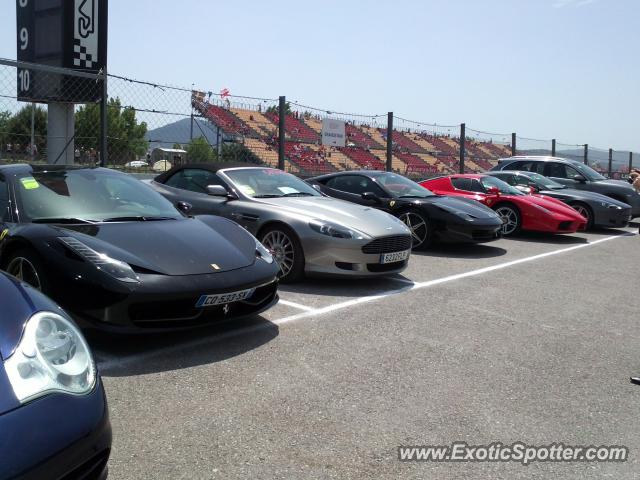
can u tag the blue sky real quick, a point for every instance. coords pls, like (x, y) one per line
(567, 69)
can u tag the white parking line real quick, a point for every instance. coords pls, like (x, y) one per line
(308, 312)
(295, 305)
(438, 281)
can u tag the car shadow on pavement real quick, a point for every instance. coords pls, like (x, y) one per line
(612, 232)
(347, 287)
(553, 239)
(128, 355)
(461, 251)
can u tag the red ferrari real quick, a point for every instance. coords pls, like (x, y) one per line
(518, 210)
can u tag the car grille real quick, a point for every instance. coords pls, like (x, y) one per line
(396, 243)
(565, 225)
(91, 469)
(484, 235)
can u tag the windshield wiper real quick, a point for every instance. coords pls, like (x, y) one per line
(65, 220)
(271, 195)
(299, 194)
(136, 218)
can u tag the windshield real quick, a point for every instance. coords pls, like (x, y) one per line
(88, 195)
(269, 183)
(588, 172)
(504, 187)
(402, 187)
(545, 182)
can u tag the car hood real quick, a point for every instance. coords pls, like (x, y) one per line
(369, 221)
(615, 183)
(584, 195)
(189, 246)
(470, 207)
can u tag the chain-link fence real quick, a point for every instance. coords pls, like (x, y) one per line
(148, 126)
(26, 131)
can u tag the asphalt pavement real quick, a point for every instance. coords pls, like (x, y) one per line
(530, 339)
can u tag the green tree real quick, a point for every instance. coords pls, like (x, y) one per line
(125, 136)
(18, 128)
(177, 146)
(199, 150)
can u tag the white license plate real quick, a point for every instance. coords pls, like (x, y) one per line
(212, 300)
(394, 257)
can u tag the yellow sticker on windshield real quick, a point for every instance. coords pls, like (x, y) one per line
(4, 234)
(29, 183)
(247, 190)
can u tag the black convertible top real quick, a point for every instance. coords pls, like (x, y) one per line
(211, 166)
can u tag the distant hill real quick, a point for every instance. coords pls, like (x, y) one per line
(179, 132)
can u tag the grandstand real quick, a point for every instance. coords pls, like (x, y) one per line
(415, 153)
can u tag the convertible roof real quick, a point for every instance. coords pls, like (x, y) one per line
(211, 166)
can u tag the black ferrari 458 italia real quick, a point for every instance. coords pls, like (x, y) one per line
(429, 216)
(116, 254)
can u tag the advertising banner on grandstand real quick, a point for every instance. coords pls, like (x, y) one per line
(333, 133)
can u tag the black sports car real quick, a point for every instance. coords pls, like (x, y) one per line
(116, 254)
(429, 216)
(598, 209)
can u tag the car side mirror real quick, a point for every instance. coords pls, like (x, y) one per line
(525, 189)
(579, 178)
(494, 191)
(184, 207)
(316, 187)
(533, 187)
(217, 191)
(370, 196)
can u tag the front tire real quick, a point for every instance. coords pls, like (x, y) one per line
(420, 228)
(586, 212)
(512, 221)
(25, 265)
(286, 249)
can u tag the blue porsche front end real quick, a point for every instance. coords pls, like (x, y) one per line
(53, 412)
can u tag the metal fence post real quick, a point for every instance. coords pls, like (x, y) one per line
(282, 110)
(389, 141)
(463, 140)
(610, 162)
(553, 147)
(586, 154)
(630, 161)
(513, 145)
(104, 120)
(33, 132)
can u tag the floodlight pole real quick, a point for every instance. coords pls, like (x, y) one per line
(389, 165)
(463, 136)
(281, 130)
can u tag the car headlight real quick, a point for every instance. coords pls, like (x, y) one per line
(262, 252)
(610, 205)
(119, 270)
(52, 356)
(333, 230)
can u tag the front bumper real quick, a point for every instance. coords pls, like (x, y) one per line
(57, 436)
(470, 233)
(612, 217)
(328, 256)
(163, 302)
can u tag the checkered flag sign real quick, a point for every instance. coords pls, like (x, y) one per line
(85, 36)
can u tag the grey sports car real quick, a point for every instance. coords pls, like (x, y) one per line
(599, 210)
(306, 231)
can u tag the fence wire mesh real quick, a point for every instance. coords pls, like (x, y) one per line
(151, 126)
(24, 116)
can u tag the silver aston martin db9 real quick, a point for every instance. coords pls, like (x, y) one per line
(307, 232)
